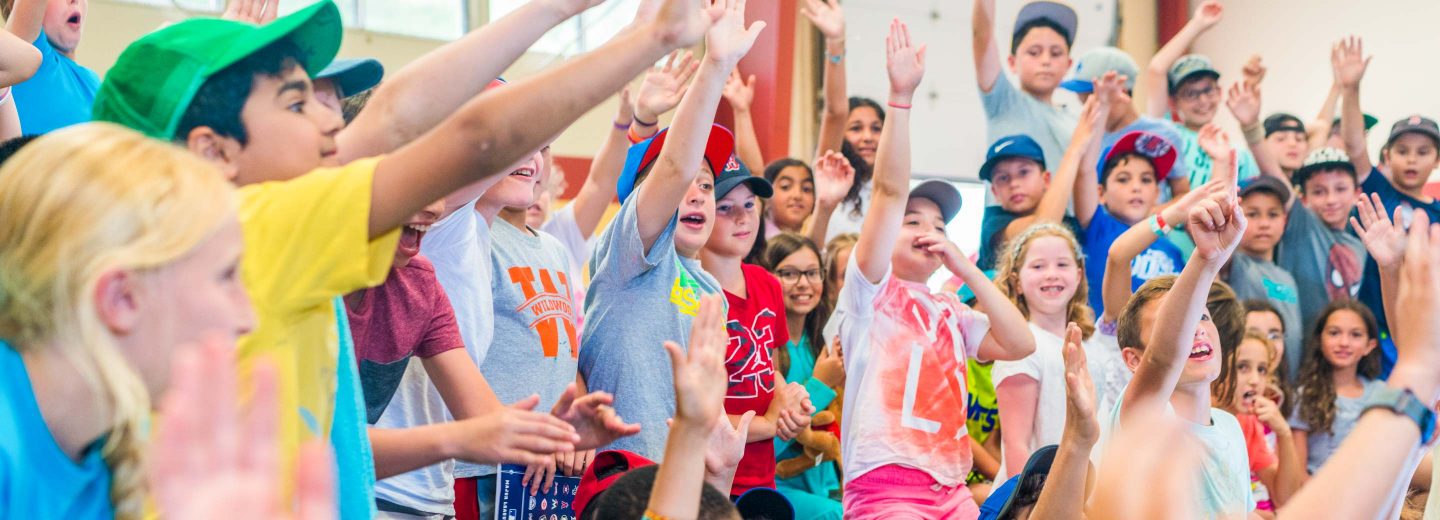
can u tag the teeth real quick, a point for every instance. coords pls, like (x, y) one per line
(419, 228)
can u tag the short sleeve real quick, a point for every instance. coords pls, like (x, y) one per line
(621, 256)
(1296, 423)
(443, 332)
(855, 304)
(1002, 96)
(308, 239)
(1002, 370)
(974, 325)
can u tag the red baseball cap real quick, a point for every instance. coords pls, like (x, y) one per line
(718, 148)
(1160, 151)
(607, 467)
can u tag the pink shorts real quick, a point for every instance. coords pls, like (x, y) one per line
(894, 491)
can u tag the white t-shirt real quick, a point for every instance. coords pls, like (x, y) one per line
(1047, 367)
(1107, 368)
(844, 219)
(417, 403)
(459, 247)
(905, 389)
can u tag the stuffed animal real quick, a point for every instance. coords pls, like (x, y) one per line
(820, 445)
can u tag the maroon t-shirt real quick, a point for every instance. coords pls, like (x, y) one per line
(757, 327)
(406, 316)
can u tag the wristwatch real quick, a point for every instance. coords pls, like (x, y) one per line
(1404, 402)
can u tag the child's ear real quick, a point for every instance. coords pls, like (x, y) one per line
(1046, 176)
(220, 150)
(1132, 358)
(1010, 61)
(1370, 346)
(116, 303)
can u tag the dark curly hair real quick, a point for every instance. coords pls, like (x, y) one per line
(1316, 381)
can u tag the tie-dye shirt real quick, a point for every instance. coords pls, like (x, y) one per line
(905, 352)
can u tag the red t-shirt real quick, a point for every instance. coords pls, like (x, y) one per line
(757, 327)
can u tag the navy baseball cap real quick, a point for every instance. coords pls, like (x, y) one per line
(1002, 501)
(943, 194)
(1415, 124)
(1266, 184)
(1282, 122)
(1010, 146)
(764, 503)
(353, 75)
(735, 174)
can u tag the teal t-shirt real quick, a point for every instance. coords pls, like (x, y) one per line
(822, 479)
(1197, 162)
(37, 479)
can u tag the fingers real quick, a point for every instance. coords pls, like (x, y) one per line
(315, 482)
(549, 477)
(743, 425)
(562, 405)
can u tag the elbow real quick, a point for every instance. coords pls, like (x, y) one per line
(26, 65)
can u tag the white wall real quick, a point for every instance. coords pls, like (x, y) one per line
(1294, 36)
(948, 125)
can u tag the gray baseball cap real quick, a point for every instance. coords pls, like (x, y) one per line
(1189, 66)
(1056, 12)
(1095, 64)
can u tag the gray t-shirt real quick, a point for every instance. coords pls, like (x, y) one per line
(1158, 127)
(535, 346)
(1253, 278)
(1347, 413)
(637, 301)
(1010, 111)
(1326, 263)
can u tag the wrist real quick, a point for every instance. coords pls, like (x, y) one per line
(901, 98)
(1418, 376)
(644, 118)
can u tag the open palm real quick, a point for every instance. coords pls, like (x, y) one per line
(664, 87)
(904, 61)
(827, 17)
(729, 40)
(1383, 239)
(833, 177)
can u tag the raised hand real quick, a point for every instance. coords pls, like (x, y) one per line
(1254, 71)
(727, 444)
(1216, 224)
(1215, 143)
(1110, 88)
(1243, 100)
(1092, 117)
(729, 40)
(210, 458)
(739, 92)
(258, 12)
(904, 62)
(827, 16)
(834, 175)
(664, 87)
(1383, 239)
(593, 418)
(1348, 59)
(1416, 337)
(1080, 415)
(699, 374)
(1209, 13)
(677, 24)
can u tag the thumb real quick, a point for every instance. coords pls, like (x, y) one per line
(920, 55)
(566, 399)
(743, 425)
(527, 403)
(750, 82)
(677, 358)
(755, 28)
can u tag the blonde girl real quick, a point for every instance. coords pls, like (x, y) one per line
(114, 250)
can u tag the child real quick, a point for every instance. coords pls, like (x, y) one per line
(122, 255)
(1042, 274)
(903, 442)
(645, 277)
(1285, 141)
(1245, 390)
(1340, 372)
(1315, 246)
(755, 324)
(61, 92)
(1039, 56)
(1171, 345)
(1253, 272)
(863, 126)
(1015, 169)
(1263, 319)
(794, 200)
(837, 258)
(805, 360)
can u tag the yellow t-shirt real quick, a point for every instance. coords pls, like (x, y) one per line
(306, 242)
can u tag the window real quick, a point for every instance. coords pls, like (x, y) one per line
(434, 19)
(580, 34)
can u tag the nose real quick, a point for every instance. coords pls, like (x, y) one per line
(328, 121)
(244, 313)
(433, 211)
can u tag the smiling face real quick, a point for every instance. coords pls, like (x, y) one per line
(1196, 100)
(414, 231)
(910, 261)
(1411, 158)
(1018, 184)
(737, 222)
(1049, 276)
(516, 190)
(289, 131)
(1252, 373)
(697, 214)
(1288, 147)
(1130, 189)
(802, 281)
(1041, 60)
(1203, 364)
(862, 130)
(1268, 325)
(794, 198)
(1345, 340)
(1330, 194)
(64, 22)
(1267, 223)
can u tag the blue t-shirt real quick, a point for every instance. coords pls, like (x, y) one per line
(1370, 286)
(37, 479)
(60, 94)
(1160, 258)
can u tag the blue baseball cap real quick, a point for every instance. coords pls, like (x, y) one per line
(353, 75)
(1095, 64)
(718, 149)
(1001, 502)
(1010, 146)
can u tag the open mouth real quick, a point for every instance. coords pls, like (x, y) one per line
(1201, 352)
(693, 220)
(528, 173)
(1248, 397)
(73, 21)
(802, 298)
(410, 237)
(1052, 290)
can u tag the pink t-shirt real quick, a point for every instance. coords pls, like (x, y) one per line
(905, 387)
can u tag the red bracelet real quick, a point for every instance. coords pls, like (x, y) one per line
(1160, 221)
(897, 105)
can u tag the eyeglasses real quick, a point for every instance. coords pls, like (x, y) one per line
(792, 277)
(1194, 94)
(1273, 335)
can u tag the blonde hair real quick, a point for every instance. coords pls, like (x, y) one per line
(1007, 274)
(78, 203)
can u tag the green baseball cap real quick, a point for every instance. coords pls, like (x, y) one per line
(156, 77)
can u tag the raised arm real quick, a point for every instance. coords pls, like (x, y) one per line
(1243, 100)
(982, 42)
(1386, 445)
(599, 188)
(1319, 129)
(18, 59)
(833, 177)
(699, 376)
(1349, 60)
(829, 19)
(26, 18)
(1085, 188)
(741, 93)
(1063, 496)
(1156, 75)
(1216, 225)
(1386, 243)
(1115, 289)
(494, 130)
(428, 90)
(906, 66)
(1056, 198)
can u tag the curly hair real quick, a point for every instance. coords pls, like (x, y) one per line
(1007, 274)
(779, 248)
(1316, 380)
(863, 170)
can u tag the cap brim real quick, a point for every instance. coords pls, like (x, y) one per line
(1038, 463)
(999, 499)
(758, 185)
(353, 75)
(943, 194)
(1063, 15)
(316, 30)
(1427, 132)
(1078, 86)
(1212, 73)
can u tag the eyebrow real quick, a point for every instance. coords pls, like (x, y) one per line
(296, 85)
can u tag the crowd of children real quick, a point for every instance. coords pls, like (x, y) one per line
(241, 278)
